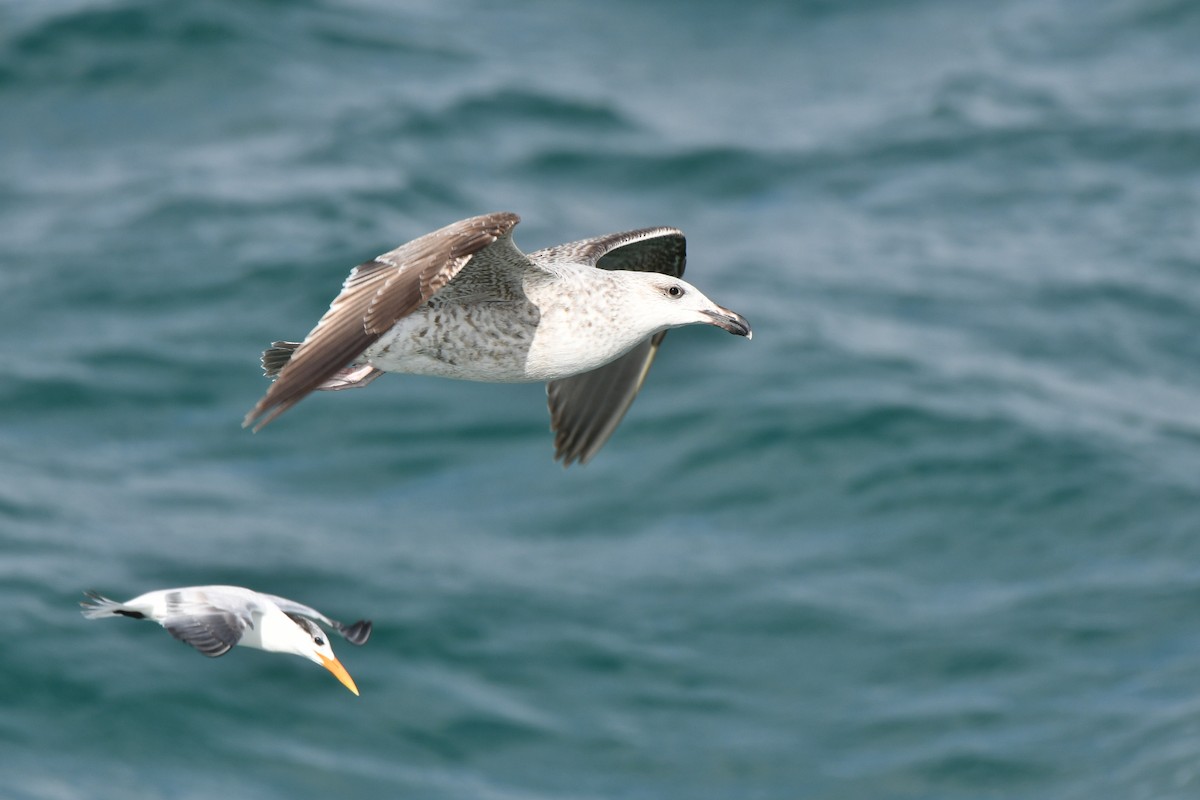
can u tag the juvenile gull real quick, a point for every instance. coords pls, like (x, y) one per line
(213, 619)
(463, 302)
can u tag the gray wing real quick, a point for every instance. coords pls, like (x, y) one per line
(585, 409)
(355, 633)
(374, 297)
(212, 634)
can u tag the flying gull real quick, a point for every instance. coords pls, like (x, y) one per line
(463, 302)
(213, 619)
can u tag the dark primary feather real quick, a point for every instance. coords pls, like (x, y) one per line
(661, 249)
(585, 409)
(356, 633)
(212, 634)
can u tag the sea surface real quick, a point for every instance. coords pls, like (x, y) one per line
(933, 533)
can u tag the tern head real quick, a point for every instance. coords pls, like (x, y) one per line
(313, 643)
(665, 302)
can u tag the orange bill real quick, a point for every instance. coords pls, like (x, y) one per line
(339, 672)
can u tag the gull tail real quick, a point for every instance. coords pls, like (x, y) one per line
(276, 357)
(97, 605)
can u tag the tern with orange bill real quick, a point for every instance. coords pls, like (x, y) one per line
(213, 619)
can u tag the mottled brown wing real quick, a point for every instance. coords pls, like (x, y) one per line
(374, 297)
(585, 409)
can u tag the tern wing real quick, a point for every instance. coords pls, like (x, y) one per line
(355, 633)
(213, 634)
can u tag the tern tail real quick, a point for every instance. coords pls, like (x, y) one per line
(97, 605)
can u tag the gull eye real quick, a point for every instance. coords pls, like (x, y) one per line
(320, 642)
(674, 290)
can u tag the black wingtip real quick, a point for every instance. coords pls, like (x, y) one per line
(358, 633)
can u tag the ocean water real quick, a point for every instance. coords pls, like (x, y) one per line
(933, 533)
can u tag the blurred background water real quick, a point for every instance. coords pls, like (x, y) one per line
(935, 532)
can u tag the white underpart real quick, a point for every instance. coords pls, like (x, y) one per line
(570, 322)
(272, 630)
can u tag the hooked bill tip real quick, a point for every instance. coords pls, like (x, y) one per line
(731, 321)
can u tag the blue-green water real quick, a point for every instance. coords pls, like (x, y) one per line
(934, 533)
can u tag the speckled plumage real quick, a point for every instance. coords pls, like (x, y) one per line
(463, 302)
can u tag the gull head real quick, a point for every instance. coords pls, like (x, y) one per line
(668, 302)
(309, 641)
